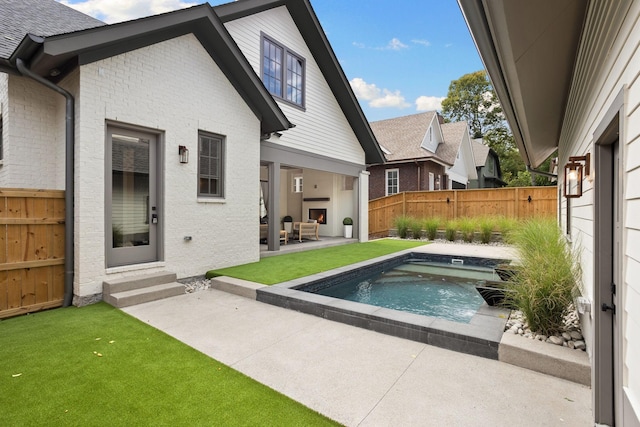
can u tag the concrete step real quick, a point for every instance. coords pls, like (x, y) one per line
(144, 294)
(561, 362)
(137, 282)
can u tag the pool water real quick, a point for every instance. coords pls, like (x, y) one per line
(445, 291)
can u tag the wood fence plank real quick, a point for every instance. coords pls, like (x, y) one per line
(28, 287)
(4, 290)
(57, 284)
(43, 291)
(14, 293)
(31, 264)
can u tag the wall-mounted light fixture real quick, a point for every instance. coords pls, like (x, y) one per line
(574, 172)
(184, 154)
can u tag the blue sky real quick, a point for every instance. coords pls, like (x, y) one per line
(399, 55)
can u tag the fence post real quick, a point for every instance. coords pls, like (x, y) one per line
(517, 202)
(455, 204)
(404, 203)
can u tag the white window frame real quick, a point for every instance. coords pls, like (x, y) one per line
(432, 181)
(388, 172)
(298, 183)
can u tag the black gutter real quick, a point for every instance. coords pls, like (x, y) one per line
(69, 181)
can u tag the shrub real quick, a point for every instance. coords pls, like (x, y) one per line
(450, 229)
(347, 221)
(431, 227)
(467, 228)
(544, 286)
(402, 224)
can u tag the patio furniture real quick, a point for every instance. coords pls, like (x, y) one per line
(264, 229)
(306, 229)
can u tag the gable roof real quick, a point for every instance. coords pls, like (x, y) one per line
(63, 52)
(480, 152)
(20, 17)
(402, 138)
(309, 26)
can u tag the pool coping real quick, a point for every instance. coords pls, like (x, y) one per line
(480, 337)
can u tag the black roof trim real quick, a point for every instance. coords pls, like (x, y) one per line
(315, 37)
(102, 42)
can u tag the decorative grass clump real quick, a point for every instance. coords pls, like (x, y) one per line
(431, 225)
(548, 278)
(450, 230)
(416, 228)
(507, 226)
(467, 227)
(402, 224)
(486, 225)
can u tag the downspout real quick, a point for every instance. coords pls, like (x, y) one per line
(69, 181)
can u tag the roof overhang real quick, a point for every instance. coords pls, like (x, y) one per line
(65, 51)
(529, 50)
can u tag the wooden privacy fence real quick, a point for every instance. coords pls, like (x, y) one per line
(31, 250)
(513, 202)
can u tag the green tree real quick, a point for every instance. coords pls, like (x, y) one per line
(471, 98)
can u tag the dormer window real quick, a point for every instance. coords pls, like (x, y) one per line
(283, 72)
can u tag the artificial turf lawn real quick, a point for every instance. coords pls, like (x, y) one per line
(99, 366)
(285, 267)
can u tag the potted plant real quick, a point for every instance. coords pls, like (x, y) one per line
(288, 223)
(348, 227)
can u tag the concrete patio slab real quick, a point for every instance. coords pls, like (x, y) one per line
(360, 377)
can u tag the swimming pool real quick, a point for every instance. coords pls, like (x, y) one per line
(480, 335)
(445, 291)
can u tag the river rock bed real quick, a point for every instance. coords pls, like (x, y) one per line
(195, 284)
(570, 337)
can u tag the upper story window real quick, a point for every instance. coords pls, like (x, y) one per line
(283, 72)
(297, 184)
(210, 165)
(392, 181)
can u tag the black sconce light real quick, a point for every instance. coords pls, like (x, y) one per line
(574, 172)
(184, 154)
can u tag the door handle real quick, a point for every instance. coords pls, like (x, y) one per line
(611, 308)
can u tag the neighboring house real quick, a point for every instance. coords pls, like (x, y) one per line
(487, 166)
(422, 154)
(110, 113)
(566, 74)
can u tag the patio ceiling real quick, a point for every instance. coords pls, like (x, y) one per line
(529, 50)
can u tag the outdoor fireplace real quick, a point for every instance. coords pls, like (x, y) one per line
(319, 215)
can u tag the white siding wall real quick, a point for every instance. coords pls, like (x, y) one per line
(322, 127)
(33, 120)
(620, 67)
(174, 87)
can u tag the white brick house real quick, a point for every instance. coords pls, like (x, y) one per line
(141, 90)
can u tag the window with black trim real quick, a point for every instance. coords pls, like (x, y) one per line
(282, 72)
(210, 165)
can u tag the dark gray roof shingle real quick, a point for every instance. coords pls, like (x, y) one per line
(38, 17)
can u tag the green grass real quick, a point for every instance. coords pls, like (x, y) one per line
(285, 267)
(51, 373)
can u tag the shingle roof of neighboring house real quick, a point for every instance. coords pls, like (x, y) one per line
(64, 51)
(315, 37)
(480, 152)
(40, 18)
(453, 134)
(402, 138)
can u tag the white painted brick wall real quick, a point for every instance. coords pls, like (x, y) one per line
(33, 134)
(175, 87)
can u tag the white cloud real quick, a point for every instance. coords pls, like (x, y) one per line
(429, 103)
(426, 43)
(396, 44)
(359, 45)
(378, 98)
(111, 11)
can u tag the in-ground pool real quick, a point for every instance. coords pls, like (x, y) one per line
(477, 328)
(445, 291)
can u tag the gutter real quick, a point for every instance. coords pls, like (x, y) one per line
(532, 171)
(69, 178)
